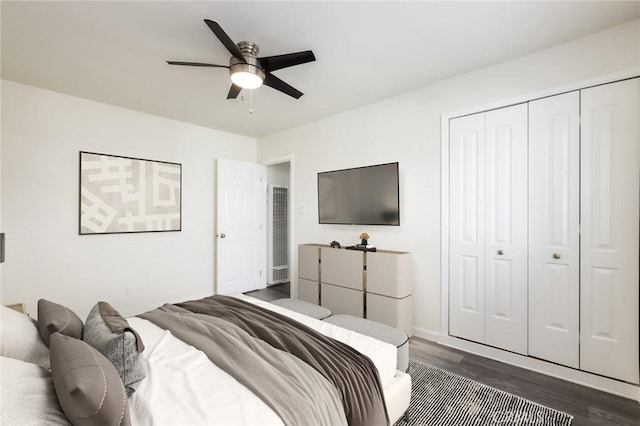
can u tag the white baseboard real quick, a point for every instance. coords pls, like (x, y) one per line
(583, 378)
(423, 333)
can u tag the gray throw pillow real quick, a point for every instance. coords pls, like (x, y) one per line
(54, 318)
(107, 331)
(87, 385)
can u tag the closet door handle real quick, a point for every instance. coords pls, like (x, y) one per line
(500, 252)
(556, 255)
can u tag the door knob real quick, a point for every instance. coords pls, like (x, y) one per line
(556, 255)
(500, 252)
(222, 235)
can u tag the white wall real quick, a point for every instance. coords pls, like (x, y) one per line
(1, 228)
(406, 128)
(42, 133)
(278, 174)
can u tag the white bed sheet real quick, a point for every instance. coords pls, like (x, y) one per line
(183, 387)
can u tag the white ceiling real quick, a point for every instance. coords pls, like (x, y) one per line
(115, 52)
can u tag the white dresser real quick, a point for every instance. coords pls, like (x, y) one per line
(372, 285)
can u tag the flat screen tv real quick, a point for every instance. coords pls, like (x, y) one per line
(360, 196)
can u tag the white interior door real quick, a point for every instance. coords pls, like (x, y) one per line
(466, 232)
(505, 292)
(610, 188)
(554, 237)
(241, 231)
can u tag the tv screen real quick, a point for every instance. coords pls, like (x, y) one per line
(360, 196)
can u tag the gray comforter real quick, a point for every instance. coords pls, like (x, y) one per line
(304, 376)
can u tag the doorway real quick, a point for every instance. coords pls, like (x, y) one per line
(279, 225)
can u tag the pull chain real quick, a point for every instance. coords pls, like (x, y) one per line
(250, 101)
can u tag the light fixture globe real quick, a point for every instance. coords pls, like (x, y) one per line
(249, 74)
(246, 78)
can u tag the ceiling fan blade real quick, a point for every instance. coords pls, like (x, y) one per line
(272, 63)
(225, 39)
(234, 91)
(196, 64)
(274, 82)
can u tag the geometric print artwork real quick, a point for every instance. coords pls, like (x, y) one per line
(122, 194)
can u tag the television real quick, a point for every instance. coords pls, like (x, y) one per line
(360, 196)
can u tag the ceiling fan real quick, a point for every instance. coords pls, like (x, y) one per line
(247, 70)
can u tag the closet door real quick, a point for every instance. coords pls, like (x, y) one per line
(466, 234)
(610, 187)
(554, 237)
(506, 228)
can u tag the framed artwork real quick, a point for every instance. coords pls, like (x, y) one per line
(123, 194)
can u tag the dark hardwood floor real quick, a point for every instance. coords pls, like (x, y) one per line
(587, 406)
(272, 292)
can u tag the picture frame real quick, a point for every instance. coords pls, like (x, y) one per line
(119, 194)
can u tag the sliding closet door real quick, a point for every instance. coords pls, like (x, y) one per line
(466, 234)
(554, 237)
(610, 162)
(506, 228)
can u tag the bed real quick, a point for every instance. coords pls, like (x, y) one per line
(182, 386)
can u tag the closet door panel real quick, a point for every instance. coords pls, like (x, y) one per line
(610, 188)
(554, 239)
(466, 236)
(506, 228)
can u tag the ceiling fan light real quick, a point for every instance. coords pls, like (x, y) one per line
(246, 79)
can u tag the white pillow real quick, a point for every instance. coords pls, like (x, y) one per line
(20, 339)
(28, 395)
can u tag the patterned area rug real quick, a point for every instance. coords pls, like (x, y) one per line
(440, 398)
